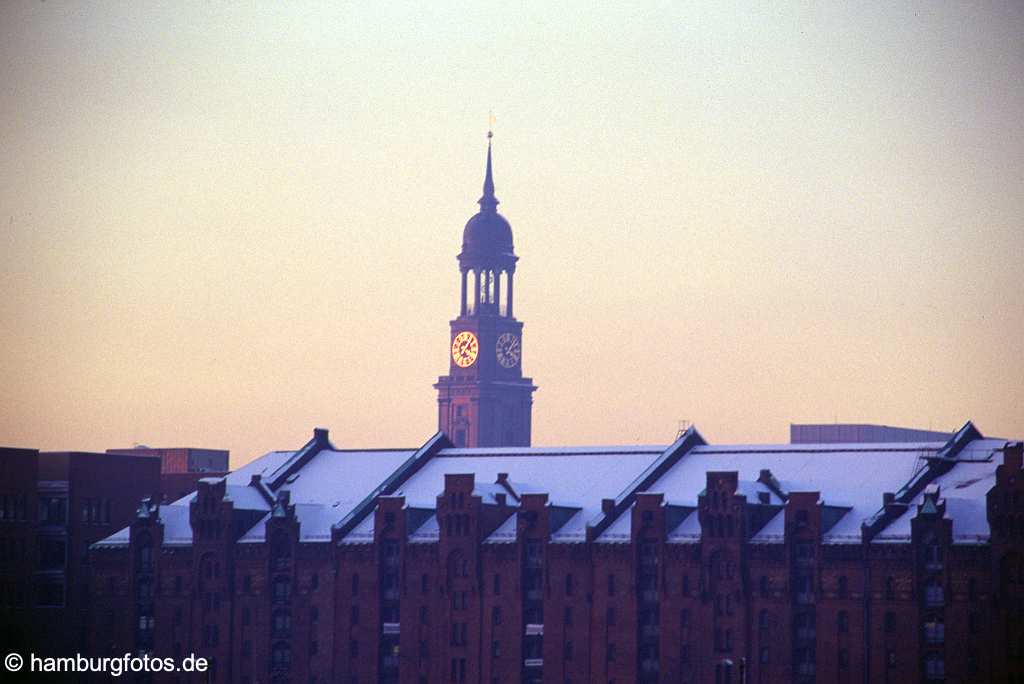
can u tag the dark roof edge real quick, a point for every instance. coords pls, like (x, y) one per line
(394, 480)
(941, 464)
(675, 451)
(301, 457)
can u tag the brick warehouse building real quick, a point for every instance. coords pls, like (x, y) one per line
(53, 505)
(477, 558)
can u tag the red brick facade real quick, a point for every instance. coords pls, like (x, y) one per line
(471, 607)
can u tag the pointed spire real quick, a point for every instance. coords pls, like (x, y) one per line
(488, 202)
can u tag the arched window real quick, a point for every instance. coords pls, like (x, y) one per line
(843, 586)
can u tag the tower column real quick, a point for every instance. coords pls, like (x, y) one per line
(497, 291)
(508, 307)
(476, 290)
(463, 299)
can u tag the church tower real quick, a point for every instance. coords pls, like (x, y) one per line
(485, 401)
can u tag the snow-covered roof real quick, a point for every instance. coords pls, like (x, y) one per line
(854, 475)
(848, 476)
(361, 533)
(773, 532)
(324, 490)
(427, 533)
(262, 466)
(620, 531)
(688, 531)
(336, 489)
(315, 522)
(343, 478)
(177, 527)
(506, 532)
(576, 477)
(119, 538)
(329, 485)
(963, 488)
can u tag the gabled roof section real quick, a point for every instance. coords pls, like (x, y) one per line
(363, 531)
(318, 443)
(939, 464)
(675, 451)
(505, 533)
(620, 531)
(392, 483)
(963, 488)
(429, 532)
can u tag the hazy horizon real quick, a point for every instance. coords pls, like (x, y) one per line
(225, 225)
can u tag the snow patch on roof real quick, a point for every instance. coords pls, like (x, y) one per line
(262, 466)
(361, 533)
(774, 531)
(427, 533)
(315, 522)
(177, 525)
(854, 474)
(621, 530)
(577, 477)
(964, 489)
(688, 531)
(506, 532)
(119, 538)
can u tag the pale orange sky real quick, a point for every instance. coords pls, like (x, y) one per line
(224, 225)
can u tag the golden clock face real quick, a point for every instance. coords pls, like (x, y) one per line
(508, 350)
(464, 349)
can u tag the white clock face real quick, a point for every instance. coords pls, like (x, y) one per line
(508, 350)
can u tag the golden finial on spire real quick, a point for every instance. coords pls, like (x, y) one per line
(490, 125)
